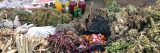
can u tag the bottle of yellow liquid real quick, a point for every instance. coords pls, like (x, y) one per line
(58, 5)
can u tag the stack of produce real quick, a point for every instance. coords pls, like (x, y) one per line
(64, 40)
(76, 8)
(93, 41)
(95, 38)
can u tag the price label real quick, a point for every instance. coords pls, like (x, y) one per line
(75, 8)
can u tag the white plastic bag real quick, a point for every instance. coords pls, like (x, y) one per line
(4, 3)
(40, 31)
(16, 22)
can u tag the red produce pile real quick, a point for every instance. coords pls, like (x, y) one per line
(63, 41)
(93, 41)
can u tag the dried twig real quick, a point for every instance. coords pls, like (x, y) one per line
(27, 44)
(91, 8)
(7, 45)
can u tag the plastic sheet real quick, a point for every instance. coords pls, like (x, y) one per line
(23, 3)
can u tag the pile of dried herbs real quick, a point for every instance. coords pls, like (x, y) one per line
(64, 40)
(40, 17)
(135, 30)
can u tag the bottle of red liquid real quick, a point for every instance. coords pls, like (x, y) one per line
(82, 5)
(72, 4)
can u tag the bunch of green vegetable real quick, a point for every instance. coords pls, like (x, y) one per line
(39, 17)
(113, 6)
(21, 13)
(118, 46)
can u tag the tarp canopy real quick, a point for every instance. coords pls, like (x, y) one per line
(23, 3)
(42, 1)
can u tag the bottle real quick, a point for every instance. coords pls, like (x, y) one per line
(79, 11)
(58, 5)
(75, 11)
(51, 4)
(67, 9)
(46, 5)
(82, 5)
(75, 14)
(65, 5)
(64, 2)
(72, 5)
